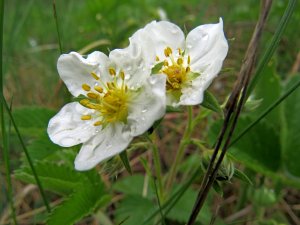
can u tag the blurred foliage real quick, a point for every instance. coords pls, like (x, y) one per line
(271, 150)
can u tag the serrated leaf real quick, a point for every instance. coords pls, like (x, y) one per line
(132, 185)
(57, 178)
(32, 117)
(133, 209)
(210, 102)
(41, 148)
(85, 199)
(242, 176)
(32, 120)
(125, 161)
(182, 210)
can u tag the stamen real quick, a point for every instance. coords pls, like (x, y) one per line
(179, 61)
(112, 71)
(91, 106)
(84, 101)
(86, 117)
(179, 51)
(86, 87)
(189, 60)
(122, 75)
(157, 58)
(99, 89)
(98, 123)
(166, 63)
(94, 75)
(188, 69)
(93, 95)
(168, 51)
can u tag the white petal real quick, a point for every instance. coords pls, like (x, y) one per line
(67, 129)
(108, 142)
(75, 70)
(148, 106)
(194, 93)
(134, 62)
(207, 46)
(156, 36)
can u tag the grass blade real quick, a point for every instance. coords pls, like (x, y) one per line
(4, 103)
(273, 45)
(266, 112)
(4, 131)
(57, 26)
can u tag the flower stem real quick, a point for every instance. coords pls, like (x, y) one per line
(181, 148)
(157, 166)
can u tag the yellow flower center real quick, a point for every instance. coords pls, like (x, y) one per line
(175, 69)
(111, 102)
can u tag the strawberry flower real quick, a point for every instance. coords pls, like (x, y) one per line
(119, 100)
(189, 64)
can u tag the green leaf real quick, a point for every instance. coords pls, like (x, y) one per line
(210, 102)
(57, 178)
(32, 120)
(42, 147)
(132, 185)
(218, 188)
(268, 90)
(85, 199)
(32, 116)
(133, 209)
(291, 131)
(125, 161)
(242, 176)
(182, 210)
(157, 68)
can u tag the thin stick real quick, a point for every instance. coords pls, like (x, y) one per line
(242, 83)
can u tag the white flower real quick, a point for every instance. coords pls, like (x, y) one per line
(121, 100)
(190, 63)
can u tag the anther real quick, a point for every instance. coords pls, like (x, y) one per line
(122, 75)
(189, 60)
(86, 117)
(166, 63)
(98, 123)
(92, 95)
(188, 69)
(179, 61)
(157, 58)
(86, 87)
(94, 75)
(112, 71)
(84, 102)
(168, 51)
(179, 51)
(99, 89)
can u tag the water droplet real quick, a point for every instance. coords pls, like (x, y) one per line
(129, 68)
(96, 84)
(152, 80)
(108, 145)
(144, 110)
(127, 76)
(143, 119)
(204, 36)
(189, 46)
(97, 131)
